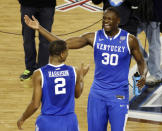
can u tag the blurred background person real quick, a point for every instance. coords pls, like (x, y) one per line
(44, 11)
(148, 13)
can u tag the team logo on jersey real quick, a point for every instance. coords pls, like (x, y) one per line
(58, 68)
(101, 39)
(71, 4)
(122, 38)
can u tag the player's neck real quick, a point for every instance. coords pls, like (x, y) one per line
(112, 33)
(55, 62)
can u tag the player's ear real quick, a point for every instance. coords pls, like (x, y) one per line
(62, 55)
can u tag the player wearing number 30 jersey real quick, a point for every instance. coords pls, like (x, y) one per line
(112, 59)
(56, 85)
(110, 86)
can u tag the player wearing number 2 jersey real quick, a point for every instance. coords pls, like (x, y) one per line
(56, 85)
(113, 48)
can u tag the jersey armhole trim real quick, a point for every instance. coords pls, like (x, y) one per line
(128, 43)
(42, 77)
(95, 39)
(75, 74)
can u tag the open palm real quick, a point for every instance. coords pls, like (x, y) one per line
(34, 24)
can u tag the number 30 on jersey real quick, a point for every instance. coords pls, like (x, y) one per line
(111, 59)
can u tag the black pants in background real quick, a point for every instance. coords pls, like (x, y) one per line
(45, 16)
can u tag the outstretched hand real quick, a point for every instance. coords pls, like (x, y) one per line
(32, 23)
(20, 123)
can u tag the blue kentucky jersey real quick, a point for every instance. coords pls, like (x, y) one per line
(58, 89)
(112, 60)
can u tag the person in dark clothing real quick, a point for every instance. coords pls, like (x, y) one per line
(44, 11)
(158, 10)
(127, 20)
(149, 15)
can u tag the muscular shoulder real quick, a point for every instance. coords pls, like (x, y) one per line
(133, 42)
(131, 38)
(37, 76)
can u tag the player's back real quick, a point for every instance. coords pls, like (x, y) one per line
(58, 90)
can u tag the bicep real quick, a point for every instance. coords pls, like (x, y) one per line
(135, 49)
(79, 42)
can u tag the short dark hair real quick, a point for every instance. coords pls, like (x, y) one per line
(113, 9)
(57, 47)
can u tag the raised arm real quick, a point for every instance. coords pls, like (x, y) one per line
(34, 24)
(81, 72)
(36, 99)
(136, 53)
(73, 43)
(79, 42)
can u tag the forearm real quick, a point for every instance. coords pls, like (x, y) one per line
(29, 111)
(48, 35)
(76, 43)
(73, 43)
(81, 84)
(142, 68)
(79, 88)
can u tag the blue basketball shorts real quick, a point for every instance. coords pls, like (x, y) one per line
(99, 112)
(57, 123)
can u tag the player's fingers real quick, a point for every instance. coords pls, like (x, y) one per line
(141, 83)
(86, 69)
(19, 125)
(27, 19)
(82, 65)
(34, 18)
(81, 69)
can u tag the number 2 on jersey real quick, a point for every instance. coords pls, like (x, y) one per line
(60, 83)
(111, 59)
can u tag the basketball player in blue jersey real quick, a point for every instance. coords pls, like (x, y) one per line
(56, 85)
(113, 47)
